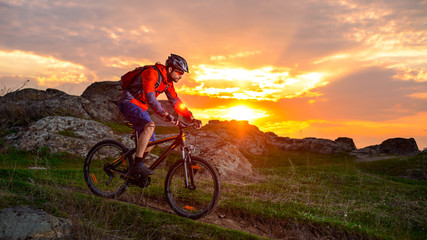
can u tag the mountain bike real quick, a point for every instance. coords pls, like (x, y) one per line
(192, 185)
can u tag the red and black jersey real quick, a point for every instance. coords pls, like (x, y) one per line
(149, 93)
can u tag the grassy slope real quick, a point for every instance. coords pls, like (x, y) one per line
(60, 190)
(325, 191)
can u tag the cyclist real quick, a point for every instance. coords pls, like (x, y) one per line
(134, 107)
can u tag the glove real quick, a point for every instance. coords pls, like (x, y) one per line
(171, 118)
(182, 124)
(197, 123)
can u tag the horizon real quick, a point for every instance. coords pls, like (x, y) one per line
(323, 69)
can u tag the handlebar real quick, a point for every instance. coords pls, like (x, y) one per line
(183, 125)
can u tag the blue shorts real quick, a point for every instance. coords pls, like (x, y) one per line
(136, 116)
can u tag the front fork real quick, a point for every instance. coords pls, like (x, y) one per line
(188, 170)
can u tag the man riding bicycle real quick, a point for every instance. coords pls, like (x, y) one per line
(154, 80)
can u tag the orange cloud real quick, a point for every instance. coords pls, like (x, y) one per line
(124, 62)
(421, 95)
(384, 41)
(267, 83)
(47, 70)
(237, 55)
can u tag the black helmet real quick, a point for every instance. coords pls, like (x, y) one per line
(177, 62)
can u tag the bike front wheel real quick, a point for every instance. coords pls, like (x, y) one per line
(105, 168)
(197, 198)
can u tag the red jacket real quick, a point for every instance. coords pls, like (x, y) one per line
(148, 96)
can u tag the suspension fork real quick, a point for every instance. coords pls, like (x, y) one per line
(188, 170)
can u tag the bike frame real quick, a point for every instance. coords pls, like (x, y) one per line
(179, 140)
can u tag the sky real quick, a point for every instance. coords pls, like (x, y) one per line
(324, 69)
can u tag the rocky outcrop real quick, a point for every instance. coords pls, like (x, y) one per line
(316, 145)
(98, 102)
(392, 146)
(23, 222)
(248, 138)
(28, 105)
(63, 134)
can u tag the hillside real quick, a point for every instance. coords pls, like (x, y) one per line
(272, 187)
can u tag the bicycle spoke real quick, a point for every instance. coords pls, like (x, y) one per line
(106, 166)
(197, 199)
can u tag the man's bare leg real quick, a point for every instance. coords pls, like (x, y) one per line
(144, 138)
(142, 150)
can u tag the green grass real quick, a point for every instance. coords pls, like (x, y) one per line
(61, 190)
(325, 194)
(96, 218)
(400, 168)
(118, 128)
(68, 133)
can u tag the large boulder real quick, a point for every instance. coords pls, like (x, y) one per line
(23, 222)
(222, 153)
(103, 96)
(399, 146)
(346, 144)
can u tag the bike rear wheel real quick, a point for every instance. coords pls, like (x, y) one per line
(197, 201)
(105, 167)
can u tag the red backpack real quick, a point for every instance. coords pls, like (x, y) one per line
(133, 83)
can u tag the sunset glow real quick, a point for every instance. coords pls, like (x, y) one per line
(240, 112)
(267, 83)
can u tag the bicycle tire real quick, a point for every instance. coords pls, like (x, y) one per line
(103, 182)
(196, 203)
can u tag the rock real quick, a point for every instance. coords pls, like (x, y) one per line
(103, 96)
(316, 145)
(225, 156)
(399, 146)
(366, 152)
(347, 144)
(59, 134)
(28, 105)
(23, 222)
(248, 138)
(392, 146)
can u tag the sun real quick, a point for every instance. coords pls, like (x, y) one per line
(242, 112)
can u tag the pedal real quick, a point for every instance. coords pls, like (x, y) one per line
(142, 182)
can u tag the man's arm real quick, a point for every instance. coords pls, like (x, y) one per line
(150, 77)
(177, 104)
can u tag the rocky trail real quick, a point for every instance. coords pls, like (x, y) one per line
(236, 220)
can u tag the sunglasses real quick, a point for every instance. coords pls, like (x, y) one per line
(178, 72)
